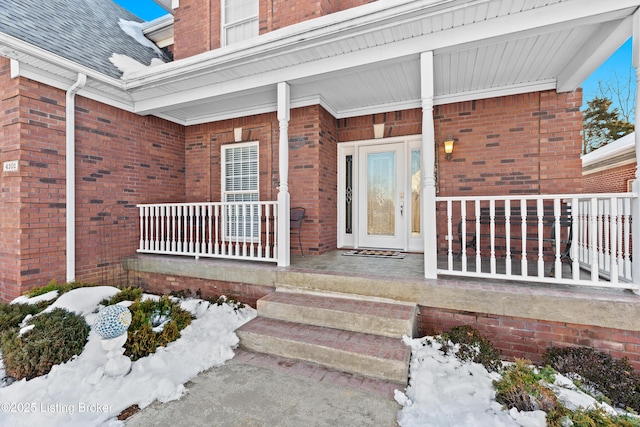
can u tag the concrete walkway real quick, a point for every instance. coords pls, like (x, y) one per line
(260, 390)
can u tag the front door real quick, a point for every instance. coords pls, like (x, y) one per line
(381, 196)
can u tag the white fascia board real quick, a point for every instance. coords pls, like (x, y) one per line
(251, 111)
(515, 89)
(557, 16)
(330, 28)
(19, 69)
(613, 149)
(25, 50)
(593, 53)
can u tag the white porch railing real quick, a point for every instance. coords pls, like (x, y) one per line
(577, 239)
(238, 230)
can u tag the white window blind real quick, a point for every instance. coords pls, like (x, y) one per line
(240, 176)
(239, 20)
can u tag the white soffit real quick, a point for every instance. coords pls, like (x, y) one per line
(365, 59)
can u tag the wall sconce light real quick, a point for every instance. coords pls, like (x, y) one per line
(448, 147)
(378, 130)
(237, 134)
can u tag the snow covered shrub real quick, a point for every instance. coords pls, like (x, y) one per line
(520, 388)
(473, 346)
(54, 338)
(12, 314)
(126, 294)
(155, 323)
(231, 301)
(55, 286)
(599, 373)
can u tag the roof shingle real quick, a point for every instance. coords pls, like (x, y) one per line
(83, 31)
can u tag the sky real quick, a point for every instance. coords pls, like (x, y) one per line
(619, 63)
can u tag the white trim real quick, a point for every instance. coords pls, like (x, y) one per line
(410, 142)
(611, 150)
(590, 57)
(225, 25)
(223, 168)
(19, 69)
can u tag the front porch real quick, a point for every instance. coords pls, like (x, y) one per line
(392, 279)
(521, 319)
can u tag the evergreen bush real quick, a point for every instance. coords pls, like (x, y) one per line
(599, 373)
(56, 337)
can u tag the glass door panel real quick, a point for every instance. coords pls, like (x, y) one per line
(381, 181)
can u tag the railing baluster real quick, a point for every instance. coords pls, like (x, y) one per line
(492, 234)
(593, 239)
(627, 238)
(141, 245)
(540, 213)
(244, 230)
(156, 243)
(463, 250)
(607, 249)
(217, 233)
(507, 232)
(613, 259)
(449, 237)
(556, 243)
(478, 238)
(524, 267)
(575, 211)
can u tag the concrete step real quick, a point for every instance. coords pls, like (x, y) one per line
(375, 356)
(369, 317)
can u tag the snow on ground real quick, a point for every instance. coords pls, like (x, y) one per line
(78, 394)
(443, 391)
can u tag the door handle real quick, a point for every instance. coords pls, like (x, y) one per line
(401, 208)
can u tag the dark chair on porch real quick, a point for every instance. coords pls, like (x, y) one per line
(296, 215)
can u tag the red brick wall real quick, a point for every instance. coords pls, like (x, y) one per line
(528, 338)
(121, 159)
(197, 23)
(37, 131)
(312, 166)
(397, 123)
(162, 284)
(609, 181)
(10, 128)
(196, 27)
(520, 144)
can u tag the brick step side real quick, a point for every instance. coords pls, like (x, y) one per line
(370, 317)
(365, 354)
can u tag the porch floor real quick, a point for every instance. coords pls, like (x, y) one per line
(412, 267)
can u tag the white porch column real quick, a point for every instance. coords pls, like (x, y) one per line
(635, 211)
(429, 229)
(284, 114)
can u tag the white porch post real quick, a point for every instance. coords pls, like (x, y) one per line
(429, 229)
(635, 211)
(284, 114)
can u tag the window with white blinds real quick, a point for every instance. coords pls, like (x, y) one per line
(239, 20)
(240, 177)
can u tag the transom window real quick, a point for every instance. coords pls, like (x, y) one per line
(239, 20)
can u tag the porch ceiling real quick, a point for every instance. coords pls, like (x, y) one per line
(366, 60)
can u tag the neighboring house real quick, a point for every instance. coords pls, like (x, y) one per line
(341, 107)
(612, 168)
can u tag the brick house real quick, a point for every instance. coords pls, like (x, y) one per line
(340, 107)
(612, 168)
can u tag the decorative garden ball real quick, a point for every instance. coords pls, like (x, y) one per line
(112, 321)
